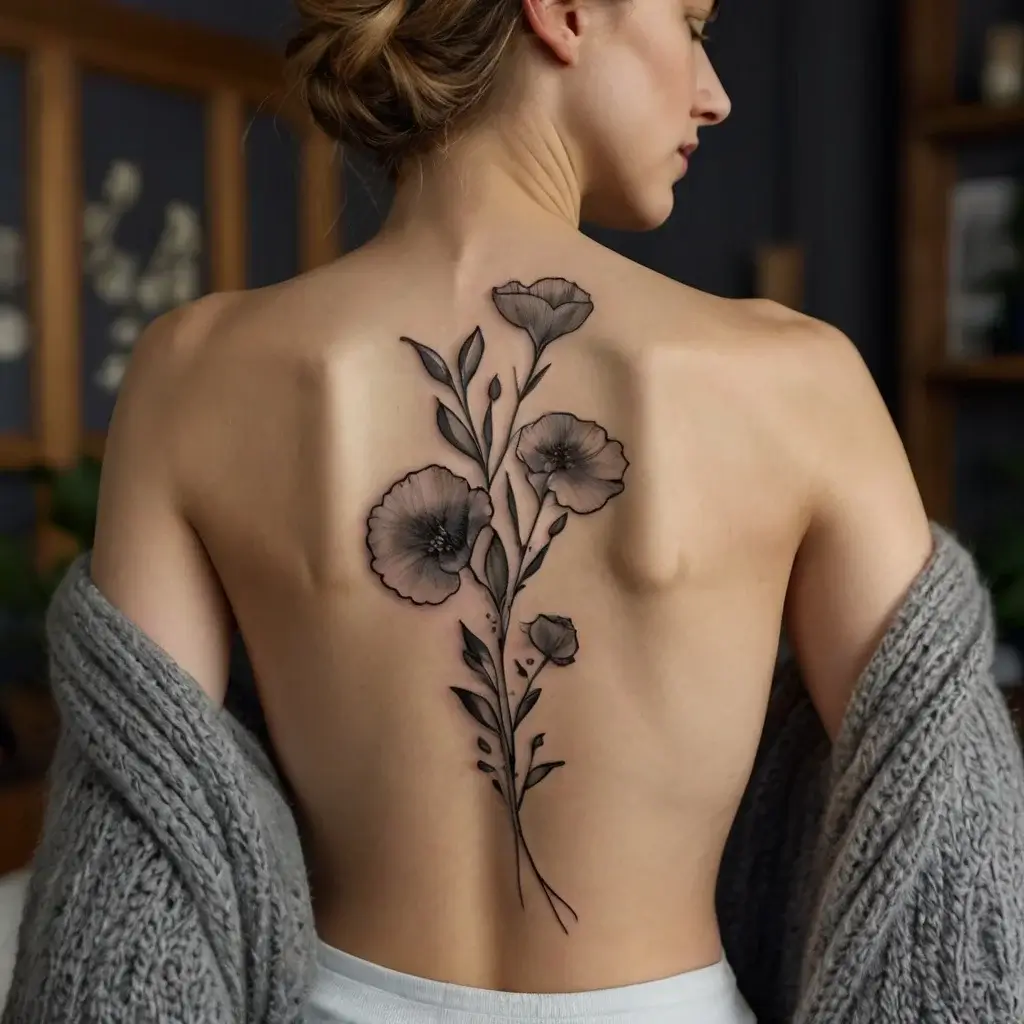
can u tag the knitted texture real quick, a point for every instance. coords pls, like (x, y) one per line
(169, 884)
(882, 880)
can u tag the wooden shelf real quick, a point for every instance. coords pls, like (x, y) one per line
(994, 370)
(150, 48)
(17, 452)
(93, 444)
(22, 807)
(964, 122)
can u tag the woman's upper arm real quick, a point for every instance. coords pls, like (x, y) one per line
(868, 537)
(147, 559)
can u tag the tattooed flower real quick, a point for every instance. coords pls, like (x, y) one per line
(423, 532)
(555, 638)
(573, 459)
(546, 309)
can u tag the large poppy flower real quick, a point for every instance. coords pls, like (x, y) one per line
(573, 459)
(423, 532)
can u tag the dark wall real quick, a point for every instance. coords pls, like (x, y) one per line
(263, 20)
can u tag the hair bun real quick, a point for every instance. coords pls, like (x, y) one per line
(390, 76)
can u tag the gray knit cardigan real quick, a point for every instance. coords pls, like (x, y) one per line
(880, 880)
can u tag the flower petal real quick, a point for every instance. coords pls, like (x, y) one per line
(475, 514)
(523, 309)
(556, 291)
(571, 306)
(393, 534)
(568, 318)
(538, 438)
(587, 439)
(455, 517)
(417, 577)
(437, 488)
(454, 561)
(608, 462)
(539, 482)
(480, 512)
(427, 583)
(576, 489)
(465, 514)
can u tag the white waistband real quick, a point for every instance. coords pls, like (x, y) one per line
(353, 991)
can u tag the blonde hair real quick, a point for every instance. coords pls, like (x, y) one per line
(392, 77)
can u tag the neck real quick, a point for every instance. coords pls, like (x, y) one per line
(486, 179)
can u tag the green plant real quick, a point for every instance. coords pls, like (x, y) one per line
(1001, 556)
(25, 589)
(1006, 576)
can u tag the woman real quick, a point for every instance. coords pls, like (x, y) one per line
(509, 523)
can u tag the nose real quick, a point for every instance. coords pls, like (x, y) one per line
(711, 103)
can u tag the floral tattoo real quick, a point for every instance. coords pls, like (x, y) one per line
(434, 530)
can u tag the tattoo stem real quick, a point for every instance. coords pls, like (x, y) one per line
(490, 593)
(549, 891)
(463, 400)
(529, 683)
(524, 551)
(520, 796)
(508, 742)
(512, 422)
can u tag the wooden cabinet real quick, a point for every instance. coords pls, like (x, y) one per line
(22, 806)
(936, 127)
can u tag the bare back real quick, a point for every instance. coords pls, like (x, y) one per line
(657, 514)
(513, 615)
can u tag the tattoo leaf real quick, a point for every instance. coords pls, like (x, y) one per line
(494, 390)
(534, 567)
(526, 705)
(558, 525)
(475, 647)
(513, 509)
(497, 785)
(432, 362)
(454, 431)
(483, 745)
(478, 669)
(540, 772)
(478, 707)
(469, 357)
(535, 380)
(538, 741)
(496, 568)
(488, 431)
(522, 671)
(485, 767)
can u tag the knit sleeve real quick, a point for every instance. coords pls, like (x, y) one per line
(109, 934)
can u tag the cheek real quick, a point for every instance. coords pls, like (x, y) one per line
(639, 101)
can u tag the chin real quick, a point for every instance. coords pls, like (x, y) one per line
(641, 210)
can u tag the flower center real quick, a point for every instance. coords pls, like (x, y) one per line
(440, 541)
(560, 456)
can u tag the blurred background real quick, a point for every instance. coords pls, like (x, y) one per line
(869, 175)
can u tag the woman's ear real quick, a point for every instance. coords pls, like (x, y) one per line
(559, 25)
